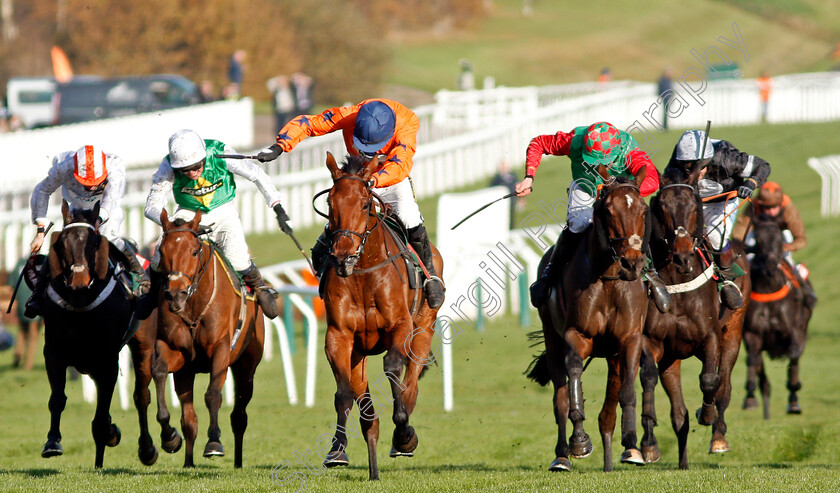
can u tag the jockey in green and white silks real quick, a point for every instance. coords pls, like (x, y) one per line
(200, 180)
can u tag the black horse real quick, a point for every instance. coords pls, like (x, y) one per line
(777, 320)
(87, 313)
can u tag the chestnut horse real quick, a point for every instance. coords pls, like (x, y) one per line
(697, 324)
(777, 320)
(87, 315)
(368, 312)
(605, 304)
(204, 326)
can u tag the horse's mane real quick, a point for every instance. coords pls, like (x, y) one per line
(179, 222)
(353, 165)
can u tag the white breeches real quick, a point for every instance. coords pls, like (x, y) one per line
(579, 215)
(227, 234)
(718, 229)
(401, 198)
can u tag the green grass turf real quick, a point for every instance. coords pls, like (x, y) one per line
(500, 436)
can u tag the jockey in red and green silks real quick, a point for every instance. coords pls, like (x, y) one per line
(588, 147)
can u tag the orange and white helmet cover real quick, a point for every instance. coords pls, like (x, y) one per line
(89, 166)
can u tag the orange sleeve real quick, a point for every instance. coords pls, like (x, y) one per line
(400, 153)
(303, 126)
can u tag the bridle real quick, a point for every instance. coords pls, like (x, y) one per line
(626, 242)
(75, 268)
(679, 231)
(195, 279)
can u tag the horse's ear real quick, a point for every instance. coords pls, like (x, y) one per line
(65, 212)
(101, 260)
(52, 259)
(370, 168)
(164, 219)
(640, 177)
(335, 172)
(196, 220)
(697, 170)
(604, 172)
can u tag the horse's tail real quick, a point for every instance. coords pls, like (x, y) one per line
(538, 370)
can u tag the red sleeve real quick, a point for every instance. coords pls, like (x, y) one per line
(638, 160)
(556, 145)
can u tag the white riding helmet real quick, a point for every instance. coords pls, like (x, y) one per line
(186, 148)
(690, 145)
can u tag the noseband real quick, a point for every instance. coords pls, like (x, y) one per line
(77, 268)
(339, 233)
(679, 231)
(635, 243)
(195, 279)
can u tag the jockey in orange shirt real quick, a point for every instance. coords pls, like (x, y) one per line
(374, 127)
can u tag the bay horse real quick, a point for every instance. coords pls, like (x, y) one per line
(697, 324)
(598, 311)
(142, 346)
(204, 325)
(368, 310)
(777, 321)
(87, 313)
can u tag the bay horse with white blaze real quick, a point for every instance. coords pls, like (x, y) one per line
(368, 307)
(205, 325)
(777, 321)
(697, 324)
(86, 314)
(598, 311)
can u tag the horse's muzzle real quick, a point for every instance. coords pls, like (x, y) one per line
(79, 278)
(176, 301)
(630, 269)
(344, 267)
(682, 263)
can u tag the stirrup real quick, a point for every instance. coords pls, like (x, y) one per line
(436, 279)
(731, 303)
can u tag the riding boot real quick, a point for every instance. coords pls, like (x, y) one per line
(657, 289)
(265, 295)
(147, 302)
(730, 295)
(319, 253)
(809, 297)
(541, 288)
(433, 286)
(35, 304)
(137, 272)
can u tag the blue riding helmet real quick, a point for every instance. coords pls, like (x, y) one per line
(374, 127)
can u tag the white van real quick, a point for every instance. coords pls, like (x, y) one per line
(30, 98)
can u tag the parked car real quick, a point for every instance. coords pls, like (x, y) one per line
(85, 99)
(30, 98)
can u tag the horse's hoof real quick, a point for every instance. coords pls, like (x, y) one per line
(51, 449)
(172, 443)
(404, 448)
(651, 454)
(396, 453)
(793, 408)
(719, 446)
(632, 456)
(581, 449)
(706, 418)
(214, 449)
(336, 458)
(149, 456)
(750, 403)
(560, 464)
(116, 436)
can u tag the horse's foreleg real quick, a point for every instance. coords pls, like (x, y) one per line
(213, 400)
(405, 395)
(753, 343)
(649, 377)
(243, 385)
(166, 360)
(141, 357)
(577, 348)
(669, 374)
(628, 370)
(793, 386)
(709, 380)
(764, 385)
(368, 416)
(339, 347)
(104, 432)
(729, 348)
(57, 375)
(606, 419)
(184, 380)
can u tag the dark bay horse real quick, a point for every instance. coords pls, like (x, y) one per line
(368, 308)
(204, 326)
(777, 320)
(605, 305)
(86, 315)
(697, 324)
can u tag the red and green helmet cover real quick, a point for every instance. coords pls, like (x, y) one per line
(602, 144)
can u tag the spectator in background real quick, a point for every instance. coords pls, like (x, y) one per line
(282, 100)
(664, 88)
(765, 85)
(15, 123)
(505, 178)
(605, 76)
(206, 92)
(230, 92)
(466, 79)
(236, 70)
(302, 89)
